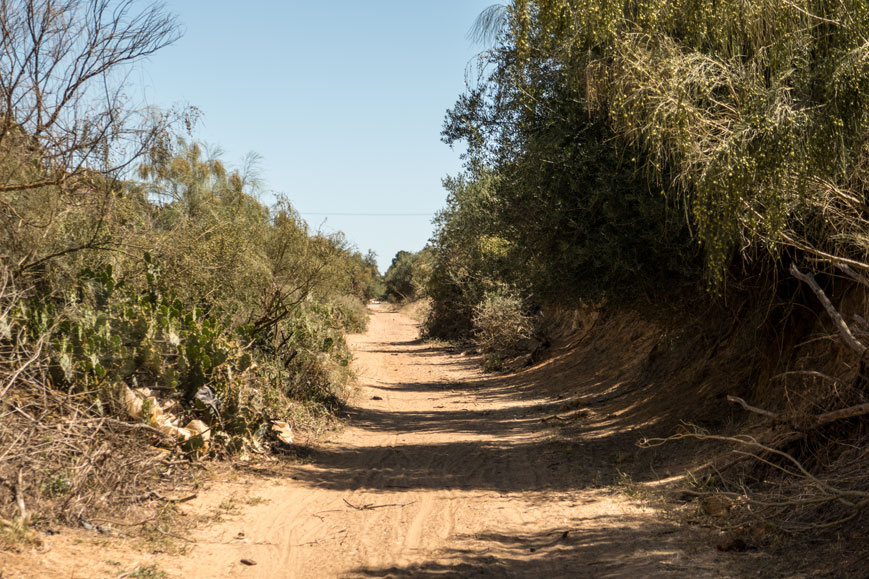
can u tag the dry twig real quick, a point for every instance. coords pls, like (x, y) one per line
(824, 492)
(370, 507)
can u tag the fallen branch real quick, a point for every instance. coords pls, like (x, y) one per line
(19, 499)
(159, 497)
(137, 426)
(370, 507)
(115, 523)
(812, 373)
(817, 420)
(856, 276)
(850, 412)
(854, 499)
(834, 314)
(750, 408)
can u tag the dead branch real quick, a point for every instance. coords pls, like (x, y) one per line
(22, 366)
(850, 272)
(156, 495)
(750, 408)
(834, 314)
(19, 499)
(854, 499)
(370, 507)
(812, 373)
(817, 420)
(850, 412)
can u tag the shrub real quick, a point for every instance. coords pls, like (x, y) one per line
(351, 313)
(500, 323)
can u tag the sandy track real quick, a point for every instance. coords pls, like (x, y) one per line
(440, 473)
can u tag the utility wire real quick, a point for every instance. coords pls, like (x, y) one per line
(331, 214)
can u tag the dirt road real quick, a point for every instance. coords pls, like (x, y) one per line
(442, 472)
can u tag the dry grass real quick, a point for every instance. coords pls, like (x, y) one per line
(62, 462)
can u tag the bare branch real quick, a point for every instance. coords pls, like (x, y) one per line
(813, 373)
(850, 412)
(850, 272)
(820, 419)
(754, 409)
(824, 492)
(834, 314)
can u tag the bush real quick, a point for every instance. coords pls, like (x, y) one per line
(351, 313)
(229, 312)
(175, 297)
(500, 323)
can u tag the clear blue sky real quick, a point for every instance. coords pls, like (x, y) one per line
(344, 100)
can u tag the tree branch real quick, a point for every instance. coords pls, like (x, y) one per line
(750, 408)
(834, 314)
(818, 420)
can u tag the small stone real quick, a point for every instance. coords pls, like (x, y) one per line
(376, 398)
(248, 562)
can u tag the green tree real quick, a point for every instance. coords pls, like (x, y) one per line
(408, 275)
(750, 116)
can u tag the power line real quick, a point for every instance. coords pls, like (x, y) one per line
(332, 214)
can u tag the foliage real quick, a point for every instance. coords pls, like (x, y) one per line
(500, 322)
(407, 276)
(469, 254)
(751, 115)
(612, 147)
(660, 146)
(179, 285)
(182, 283)
(231, 301)
(350, 313)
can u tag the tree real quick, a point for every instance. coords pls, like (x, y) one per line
(408, 275)
(67, 128)
(608, 122)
